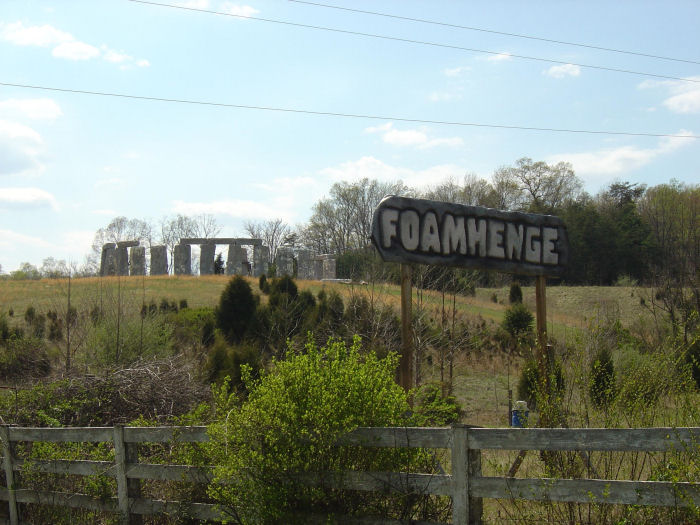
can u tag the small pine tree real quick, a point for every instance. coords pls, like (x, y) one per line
(236, 309)
(602, 387)
(219, 264)
(518, 320)
(516, 294)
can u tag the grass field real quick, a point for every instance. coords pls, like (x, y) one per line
(481, 381)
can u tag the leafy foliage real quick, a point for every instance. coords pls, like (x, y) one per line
(602, 387)
(288, 426)
(236, 309)
(518, 320)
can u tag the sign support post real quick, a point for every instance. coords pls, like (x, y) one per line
(541, 307)
(406, 364)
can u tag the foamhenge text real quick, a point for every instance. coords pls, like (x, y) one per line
(433, 232)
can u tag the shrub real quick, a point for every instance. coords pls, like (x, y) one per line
(494, 298)
(529, 384)
(236, 309)
(602, 379)
(515, 295)
(289, 424)
(434, 409)
(518, 320)
(227, 361)
(263, 284)
(183, 304)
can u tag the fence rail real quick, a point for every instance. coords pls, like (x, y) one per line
(465, 485)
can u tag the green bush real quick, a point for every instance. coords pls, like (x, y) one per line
(530, 382)
(288, 426)
(236, 309)
(517, 320)
(602, 388)
(226, 361)
(433, 408)
(515, 295)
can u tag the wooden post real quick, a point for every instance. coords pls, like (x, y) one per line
(541, 302)
(466, 464)
(476, 505)
(460, 475)
(405, 366)
(126, 489)
(8, 464)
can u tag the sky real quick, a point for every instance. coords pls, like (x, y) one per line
(70, 162)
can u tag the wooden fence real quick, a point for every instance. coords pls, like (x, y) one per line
(465, 485)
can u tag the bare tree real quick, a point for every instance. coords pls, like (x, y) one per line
(272, 232)
(172, 229)
(120, 229)
(207, 226)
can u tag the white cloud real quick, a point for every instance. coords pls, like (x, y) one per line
(238, 10)
(615, 161)
(500, 57)
(286, 185)
(26, 198)
(444, 96)
(33, 108)
(63, 44)
(684, 96)
(456, 71)
(411, 137)
(373, 168)
(40, 36)
(20, 148)
(75, 51)
(565, 70)
(10, 239)
(242, 209)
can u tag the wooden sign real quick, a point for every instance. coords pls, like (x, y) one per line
(432, 232)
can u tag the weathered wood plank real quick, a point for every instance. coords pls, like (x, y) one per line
(169, 472)
(202, 511)
(64, 466)
(421, 437)
(165, 434)
(63, 499)
(323, 519)
(657, 493)
(8, 460)
(406, 483)
(55, 435)
(460, 474)
(620, 439)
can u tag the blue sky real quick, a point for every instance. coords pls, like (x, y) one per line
(69, 163)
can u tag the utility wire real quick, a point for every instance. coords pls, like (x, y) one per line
(420, 42)
(343, 115)
(495, 32)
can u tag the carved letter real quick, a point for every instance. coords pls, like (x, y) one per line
(409, 230)
(454, 236)
(477, 236)
(430, 237)
(549, 237)
(496, 239)
(533, 247)
(514, 241)
(389, 218)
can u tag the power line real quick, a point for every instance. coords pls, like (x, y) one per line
(419, 42)
(495, 32)
(343, 115)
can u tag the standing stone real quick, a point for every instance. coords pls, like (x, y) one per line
(285, 261)
(318, 267)
(329, 268)
(159, 260)
(138, 260)
(265, 259)
(257, 260)
(183, 259)
(237, 256)
(206, 258)
(122, 260)
(108, 264)
(305, 266)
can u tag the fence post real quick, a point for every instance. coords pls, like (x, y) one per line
(126, 453)
(460, 475)
(8, 464)
(476, 506)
